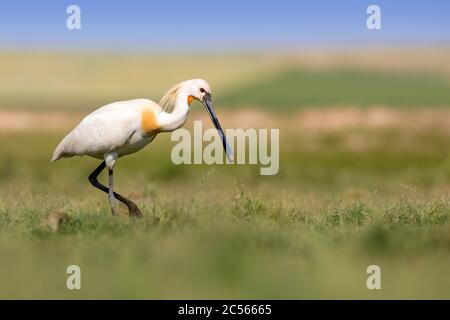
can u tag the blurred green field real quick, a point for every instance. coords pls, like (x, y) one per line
(226, 232)
(62, 81)
(292, 89)
(353, 189)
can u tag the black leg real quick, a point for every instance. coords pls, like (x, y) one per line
(132, 207)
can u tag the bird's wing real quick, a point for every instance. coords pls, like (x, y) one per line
(104, 130)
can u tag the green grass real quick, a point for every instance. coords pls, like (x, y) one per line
(226, 232)
(342, 200)
(298, 88)
(248, 248)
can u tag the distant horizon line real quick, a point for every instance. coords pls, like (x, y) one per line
(218, 51)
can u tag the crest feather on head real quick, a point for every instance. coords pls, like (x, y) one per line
(168, 100)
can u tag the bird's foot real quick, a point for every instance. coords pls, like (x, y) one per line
(114, 211)
(133, 210)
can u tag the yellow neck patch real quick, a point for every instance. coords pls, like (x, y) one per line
(190, 99)
(148, 121)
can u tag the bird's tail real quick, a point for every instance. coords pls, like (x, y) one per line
(56, 156)
(58, 153)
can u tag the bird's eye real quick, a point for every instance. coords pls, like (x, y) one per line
(202, 90)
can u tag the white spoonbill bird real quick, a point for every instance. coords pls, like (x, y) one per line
(124, 127)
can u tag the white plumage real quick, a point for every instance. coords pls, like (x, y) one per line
(114, 128)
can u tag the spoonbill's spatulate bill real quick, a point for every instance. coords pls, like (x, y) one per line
(125, 127)
(209, 107)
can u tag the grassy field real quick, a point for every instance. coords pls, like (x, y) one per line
(357, 186)
(226, 232)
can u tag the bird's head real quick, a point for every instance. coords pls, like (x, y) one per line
(196, 89)
(199, 89)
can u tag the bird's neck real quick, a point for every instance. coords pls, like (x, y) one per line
(176, 119)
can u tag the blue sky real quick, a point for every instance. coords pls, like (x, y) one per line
(199, 25)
